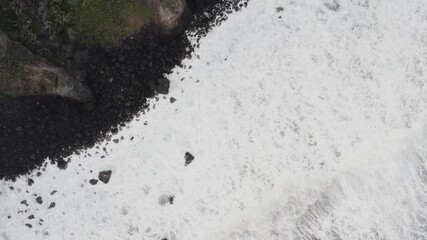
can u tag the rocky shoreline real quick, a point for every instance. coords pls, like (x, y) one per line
(121, 79)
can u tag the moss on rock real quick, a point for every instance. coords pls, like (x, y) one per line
(23, 73)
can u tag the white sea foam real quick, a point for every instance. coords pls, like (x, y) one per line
(308, 126)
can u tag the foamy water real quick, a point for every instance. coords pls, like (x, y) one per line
(307, 120)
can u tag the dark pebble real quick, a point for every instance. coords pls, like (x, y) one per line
(104, 176)
(52, 205)
(30, 182)
(188, 158)
(163, 85)
(39, 200)
(93, 181)
(62, 164)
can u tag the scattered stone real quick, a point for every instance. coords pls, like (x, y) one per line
(53, 192)
(166, 199)
(62, 164)
(31, 216)
(172, 100)
(30, 182)
(163, 85)
(93, 181)
(52, 205)
(104, 176)
(24, 202)
(279, 9)
(39, 200)
(28, 225)
(121, 58)
(188, 158)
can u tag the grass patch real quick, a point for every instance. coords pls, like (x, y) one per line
(145, 12)
(90, 22)
(106, 22)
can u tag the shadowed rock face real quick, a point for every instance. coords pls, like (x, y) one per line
(23, 73)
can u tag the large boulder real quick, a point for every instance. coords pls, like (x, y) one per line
(172, 12)
(168, 14)
(23, 73)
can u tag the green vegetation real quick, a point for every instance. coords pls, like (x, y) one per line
(52, 77)
(106, 22)
(23, 22)
(90, 22)
(144, 11)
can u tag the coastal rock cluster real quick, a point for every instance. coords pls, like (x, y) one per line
(120, 77)
(88, 24)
